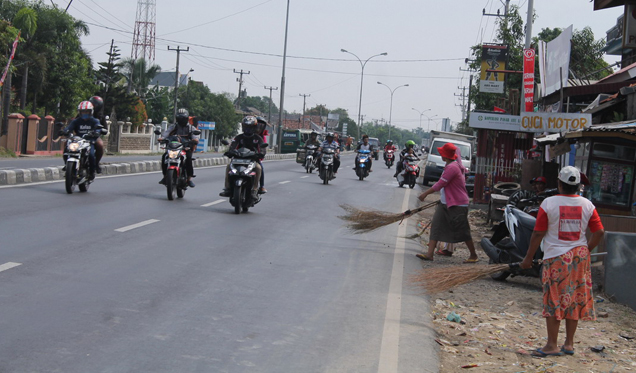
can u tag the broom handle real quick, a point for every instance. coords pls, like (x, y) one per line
(517, 264)
(424, 207)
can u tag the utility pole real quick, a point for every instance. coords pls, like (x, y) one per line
(463, 104)
(240, 81)
(304, 101)
(269, 114)
(176, 79)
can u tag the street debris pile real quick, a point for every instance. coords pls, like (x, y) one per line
(489, 326)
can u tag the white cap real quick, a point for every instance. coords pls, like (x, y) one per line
(570, 175)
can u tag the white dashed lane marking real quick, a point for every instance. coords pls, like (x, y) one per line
(134, 226)
(284, 182)
(213, 203)
(304, 177)
(8, 265)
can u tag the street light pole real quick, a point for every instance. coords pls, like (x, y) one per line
(421, 113)
(362, 64)
(391, 107)
(281, 109)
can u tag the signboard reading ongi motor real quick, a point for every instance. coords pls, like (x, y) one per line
(531, 122)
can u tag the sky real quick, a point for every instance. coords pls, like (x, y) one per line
(426, 43)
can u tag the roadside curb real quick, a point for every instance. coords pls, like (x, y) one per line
(32, 175)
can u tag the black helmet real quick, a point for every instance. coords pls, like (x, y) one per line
(98, 104)
(182, 117)
(329, 134)
(313, 133)
(249, 125)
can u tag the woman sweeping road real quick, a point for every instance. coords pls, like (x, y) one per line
(561, 223)
(450, 222)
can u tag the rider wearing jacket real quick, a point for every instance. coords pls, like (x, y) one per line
(389, 146)
(98, 113)
(262, 132)
(400, 166)
(364, 145)
(183, 130)
(313, 140)
(86, 124)
(251, 140)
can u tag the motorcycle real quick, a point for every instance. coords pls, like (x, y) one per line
(78, 172)
(176, 177)
(509, 244)
(410, 173)
(242, 178)
(528, 201)
(389, 158)
(362, 169)
(310, 160)
(326, 165)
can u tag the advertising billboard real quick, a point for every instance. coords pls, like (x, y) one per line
(494, 58)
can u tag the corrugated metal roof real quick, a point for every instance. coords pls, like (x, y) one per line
(620, 128)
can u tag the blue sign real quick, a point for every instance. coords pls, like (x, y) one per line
(202, 146)
(207, 125)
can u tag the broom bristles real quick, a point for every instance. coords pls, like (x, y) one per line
(436, 280)
(363, 221)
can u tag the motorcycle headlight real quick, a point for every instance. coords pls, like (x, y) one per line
(249, 168)
(173, 154)
(233, 171)
(74, 146)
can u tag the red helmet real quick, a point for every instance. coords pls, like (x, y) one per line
(85, 105)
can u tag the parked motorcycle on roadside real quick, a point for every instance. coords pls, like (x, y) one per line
(389, 158)
(410, 173)
(362, 166)
(176, 177)
(326, 172)
(310, 158)
(78, 172)
(242, 178)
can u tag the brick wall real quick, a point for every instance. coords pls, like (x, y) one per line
(134, 142)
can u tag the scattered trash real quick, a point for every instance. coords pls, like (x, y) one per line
(510, 303)
(470, 366)
(625, 335)
(521, 351)
(598, 348)
(453, 317)
(602, 314)
(487, 352)
(600, 299)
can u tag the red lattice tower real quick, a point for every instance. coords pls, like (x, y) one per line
(143, 45)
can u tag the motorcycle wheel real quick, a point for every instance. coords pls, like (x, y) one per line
(171, 184)
(499, 276)
(238, 199)
(325, 177)
(83, 187)
(70, 177)
(361, 175)
(412, 184)
(181, 190)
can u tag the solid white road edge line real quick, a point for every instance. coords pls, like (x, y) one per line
(304, 177)
(213, 203)
(284, 182)
(8, 265)
(389, 349)
(133, 226)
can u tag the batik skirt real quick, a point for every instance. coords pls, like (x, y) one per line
(567, 286)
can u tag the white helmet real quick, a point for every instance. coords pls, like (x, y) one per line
(85, 105)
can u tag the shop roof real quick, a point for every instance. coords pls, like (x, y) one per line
(626, 130)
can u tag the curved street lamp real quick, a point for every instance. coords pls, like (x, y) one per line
(391, 107)
(421, 113)
(429, 122)
(362, 64)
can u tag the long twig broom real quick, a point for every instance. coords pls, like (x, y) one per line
(437, 280)
(420, 233)
(363, 221)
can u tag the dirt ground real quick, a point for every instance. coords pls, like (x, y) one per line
(501, 323)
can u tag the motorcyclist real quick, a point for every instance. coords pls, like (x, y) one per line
(183, 130)
(364, 145)
(539, 184)
(330, 142)
(410, 144)
(98, 113)
(313, 141)
(251, 140)
(86, 124)
(262, 132)
(389, 146)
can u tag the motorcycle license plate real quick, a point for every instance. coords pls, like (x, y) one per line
(241, 161)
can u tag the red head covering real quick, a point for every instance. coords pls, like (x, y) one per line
(448, 151)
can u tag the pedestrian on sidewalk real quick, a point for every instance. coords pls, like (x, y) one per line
(561, 224)
(450, 221)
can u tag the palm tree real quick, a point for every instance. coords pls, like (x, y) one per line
(139, 74)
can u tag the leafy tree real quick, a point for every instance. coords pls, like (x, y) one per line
(208, 106)
(138, 74)
(260, 103)
(159, 103)
(26, 22)
(117, 101)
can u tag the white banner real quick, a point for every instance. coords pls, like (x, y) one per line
(500, 122)
(554, 62)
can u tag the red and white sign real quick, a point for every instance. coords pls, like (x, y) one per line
(528, 79)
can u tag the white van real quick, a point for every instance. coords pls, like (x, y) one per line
(435, 165)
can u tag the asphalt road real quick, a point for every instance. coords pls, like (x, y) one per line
(119, 279)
